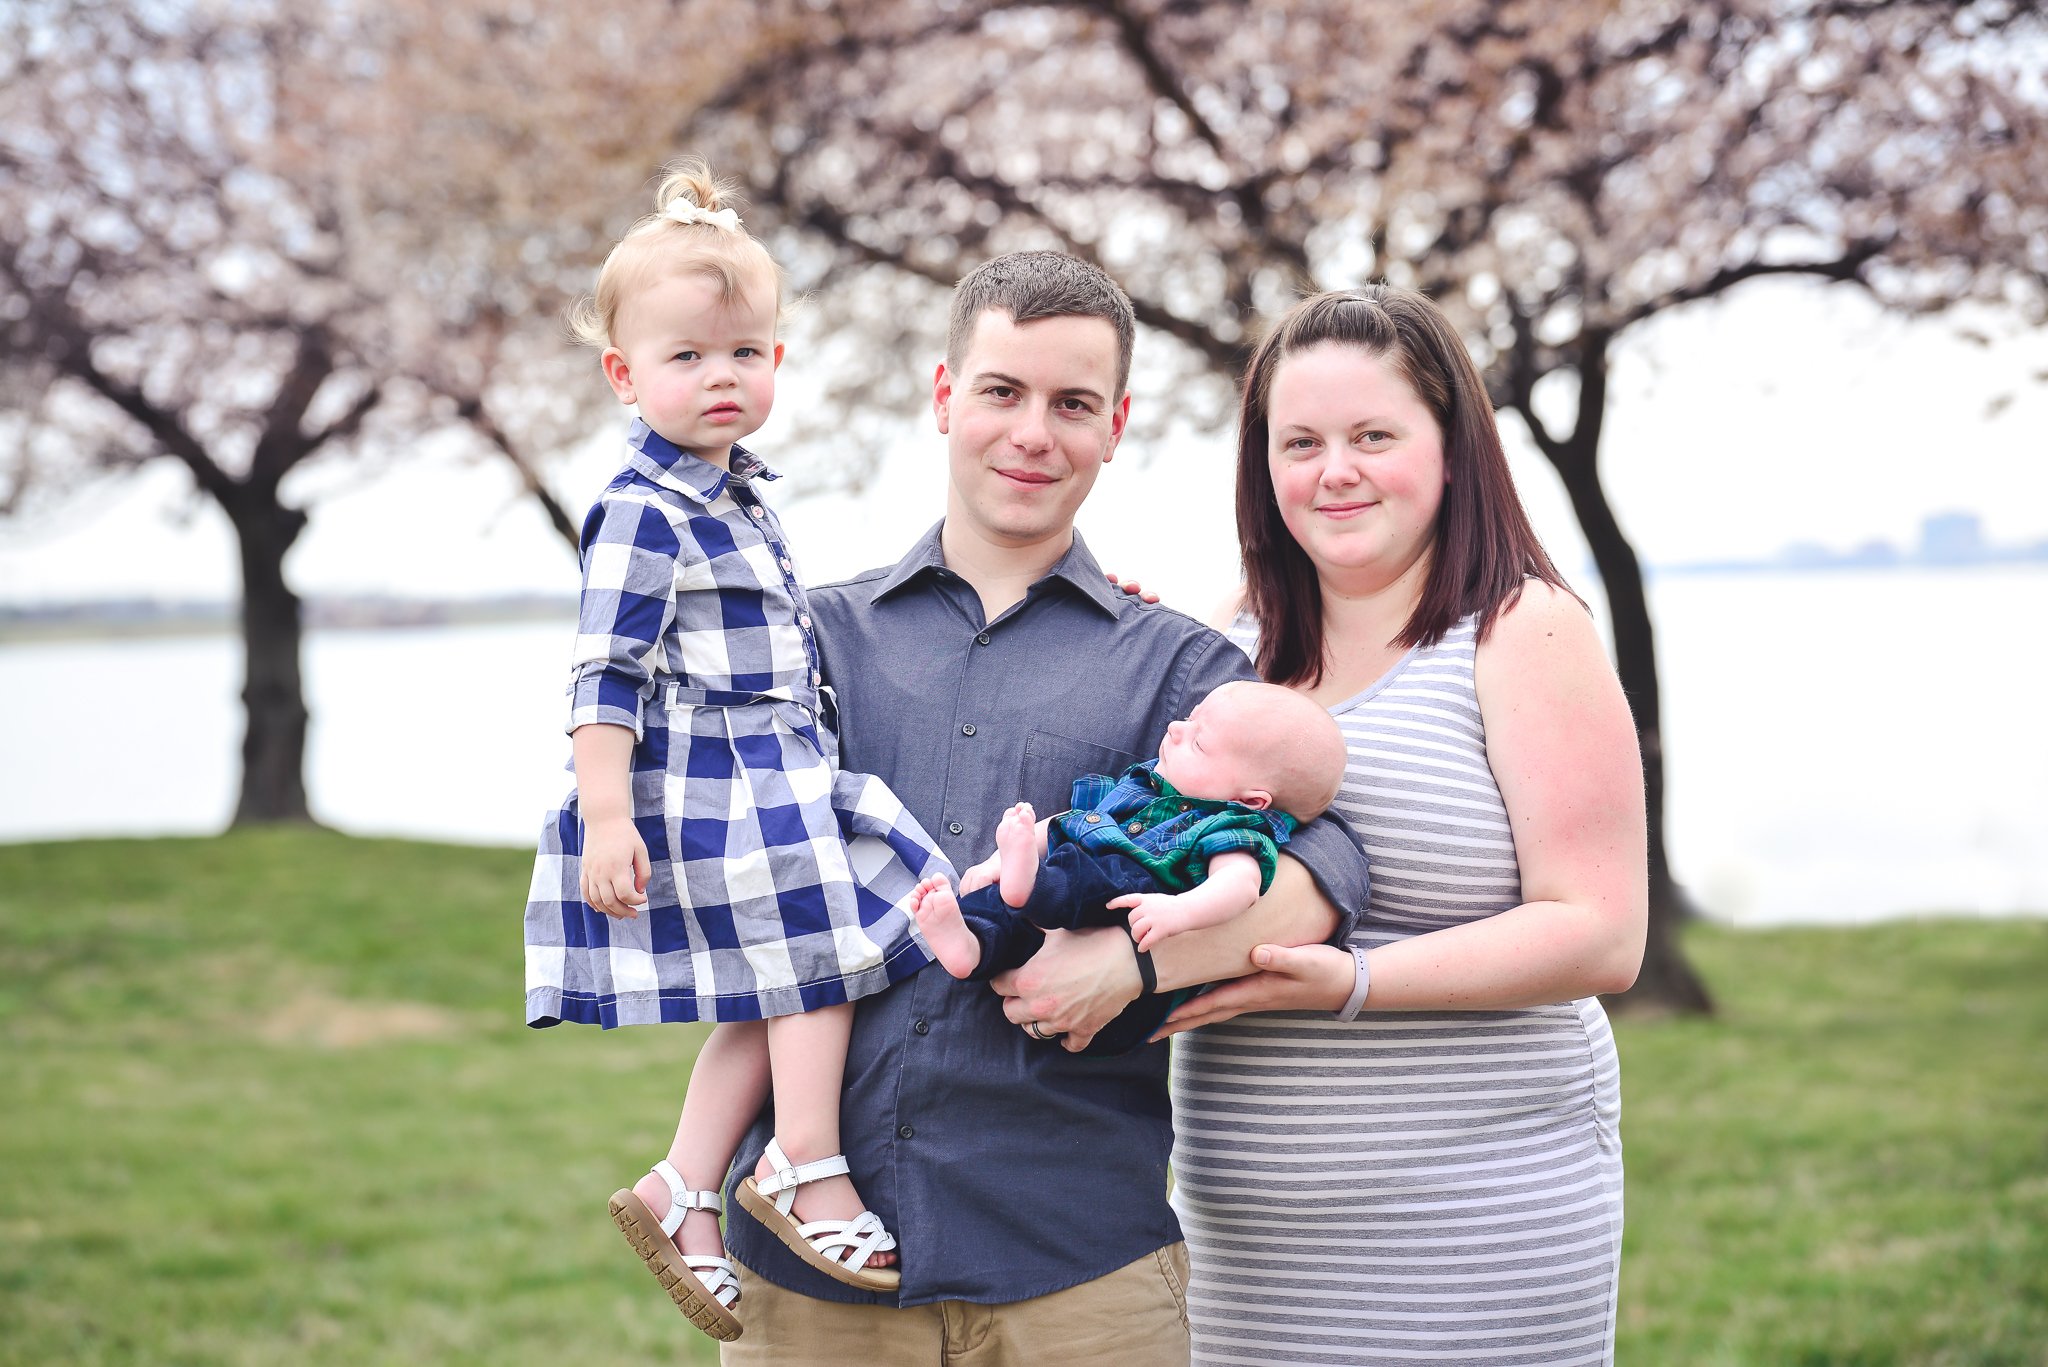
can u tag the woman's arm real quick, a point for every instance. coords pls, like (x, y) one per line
(1081, 979)
(1564, 752)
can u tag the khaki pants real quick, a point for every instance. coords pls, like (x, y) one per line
(1136, 1316)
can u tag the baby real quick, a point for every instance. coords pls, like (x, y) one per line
(1189, 839)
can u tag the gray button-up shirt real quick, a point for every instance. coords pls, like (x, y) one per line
(1007, 1168)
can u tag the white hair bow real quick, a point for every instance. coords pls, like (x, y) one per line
(683, 211)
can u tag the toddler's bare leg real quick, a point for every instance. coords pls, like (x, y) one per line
(727, 1087)
(1017, 844)
(807, 1062)
(937, 913)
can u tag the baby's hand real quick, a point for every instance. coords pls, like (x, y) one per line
(1154, 916)
(615, 868)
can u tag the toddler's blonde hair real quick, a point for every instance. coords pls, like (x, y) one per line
(659, 246)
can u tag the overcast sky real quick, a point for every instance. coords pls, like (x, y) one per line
(1791, 412)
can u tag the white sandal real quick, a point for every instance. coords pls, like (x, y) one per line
(706, 1289)
(837, 1248)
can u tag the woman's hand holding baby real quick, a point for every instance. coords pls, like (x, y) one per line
(1290, 978)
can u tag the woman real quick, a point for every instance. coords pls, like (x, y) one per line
(1435, 1177)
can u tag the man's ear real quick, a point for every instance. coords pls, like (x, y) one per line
(1119, 417)
(942, 395)
(620, 374)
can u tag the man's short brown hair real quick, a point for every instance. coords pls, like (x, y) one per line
(1033, 285)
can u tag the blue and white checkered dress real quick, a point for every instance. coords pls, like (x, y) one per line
(779, 883)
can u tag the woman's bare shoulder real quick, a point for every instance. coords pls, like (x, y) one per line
(1226, 611)
(1546, 628)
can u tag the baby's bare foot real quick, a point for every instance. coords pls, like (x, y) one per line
(937, 913)
(1017, 846)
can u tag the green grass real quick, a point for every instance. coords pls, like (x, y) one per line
(1849, 1165)
(268, 1099)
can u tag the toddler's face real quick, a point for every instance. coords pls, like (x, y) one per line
(1215, 753)
(700, 367)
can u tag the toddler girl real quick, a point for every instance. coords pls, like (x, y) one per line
(712, 863)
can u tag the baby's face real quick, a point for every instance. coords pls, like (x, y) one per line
(1215, 753)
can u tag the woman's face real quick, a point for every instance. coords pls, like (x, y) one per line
(1357, 461)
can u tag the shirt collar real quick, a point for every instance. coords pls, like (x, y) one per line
(1146, 774)
(1077, 567)
(670, 466)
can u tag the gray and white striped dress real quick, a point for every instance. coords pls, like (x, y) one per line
(1411, 1187)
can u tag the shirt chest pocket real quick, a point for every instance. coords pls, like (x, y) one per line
(1052, 762)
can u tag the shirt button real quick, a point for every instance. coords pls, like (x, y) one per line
(954, 827)
(923, 1026)
(758, 512)
(1094, 817)
(816, 678)
(803, 620)
(968, 729)
(1136, 828)
(784, 562)
(905, 1132)
(982, 639)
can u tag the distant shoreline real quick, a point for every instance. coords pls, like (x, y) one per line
(131, 618)
(140, 617)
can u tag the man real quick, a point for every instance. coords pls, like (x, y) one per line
(993, 664)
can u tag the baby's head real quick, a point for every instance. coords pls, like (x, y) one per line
(1257, 744)
(685, 310)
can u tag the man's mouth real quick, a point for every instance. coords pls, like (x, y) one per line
(1034, 478)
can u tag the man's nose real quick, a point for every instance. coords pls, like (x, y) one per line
(1033, 429)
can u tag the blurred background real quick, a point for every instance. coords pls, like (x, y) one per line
(293, 447)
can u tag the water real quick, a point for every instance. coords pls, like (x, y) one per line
(1840, 747)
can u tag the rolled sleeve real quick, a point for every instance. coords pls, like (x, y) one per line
(630, 553)
(1335, 859)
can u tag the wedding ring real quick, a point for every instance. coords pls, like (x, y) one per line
(1035, 1032)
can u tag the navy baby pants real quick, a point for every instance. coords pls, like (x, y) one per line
(1073, 891)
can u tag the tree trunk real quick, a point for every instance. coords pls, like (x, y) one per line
(273, 692)
(1667, 981)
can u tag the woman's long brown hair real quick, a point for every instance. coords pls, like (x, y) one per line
(1484, 547)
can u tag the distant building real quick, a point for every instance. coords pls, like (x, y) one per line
(1873, 555)
(1952, 539)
